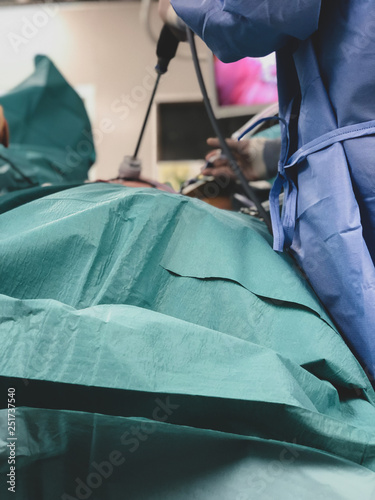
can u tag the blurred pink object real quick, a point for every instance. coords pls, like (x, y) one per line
(246, 82)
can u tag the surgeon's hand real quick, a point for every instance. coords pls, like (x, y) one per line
(248, 154)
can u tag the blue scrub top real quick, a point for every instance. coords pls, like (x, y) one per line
(326, 74)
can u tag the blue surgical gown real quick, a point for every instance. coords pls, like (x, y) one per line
(326, 77)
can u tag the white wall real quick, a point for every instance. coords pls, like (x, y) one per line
(101, 44)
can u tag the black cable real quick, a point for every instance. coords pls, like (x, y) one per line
(165, 50)
(146, 117)
(228, 153)
(25, 177)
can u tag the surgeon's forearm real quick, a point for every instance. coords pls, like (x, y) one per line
(234, 29)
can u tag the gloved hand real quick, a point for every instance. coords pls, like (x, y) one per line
(248, 154)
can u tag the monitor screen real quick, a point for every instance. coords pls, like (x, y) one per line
(244, 87)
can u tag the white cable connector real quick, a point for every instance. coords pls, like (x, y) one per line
(130, 168)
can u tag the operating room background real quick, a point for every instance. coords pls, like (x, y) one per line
(102, 50)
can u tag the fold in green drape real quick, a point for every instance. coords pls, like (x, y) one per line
(129, 311)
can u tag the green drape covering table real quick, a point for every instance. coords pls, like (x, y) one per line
(155, 326)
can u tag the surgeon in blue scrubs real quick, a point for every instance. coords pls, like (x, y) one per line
(326, 77)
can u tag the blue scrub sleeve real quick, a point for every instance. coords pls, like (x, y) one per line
(234, 29)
